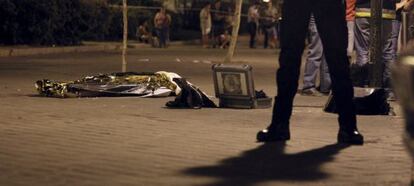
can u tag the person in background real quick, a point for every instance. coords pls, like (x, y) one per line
(278, 17)
(253, 22)
(205, 24)
(402, 5)
(315, 63)
(143, 34)
(268, 18)
(225, 38)
(316, 59)
(218, 20)
(362, 38)
(161, 24)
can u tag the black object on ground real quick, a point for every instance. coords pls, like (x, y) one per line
(190, 97)
(368, 101)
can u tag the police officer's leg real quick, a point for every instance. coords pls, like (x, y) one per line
(331, 23)
(296, 14)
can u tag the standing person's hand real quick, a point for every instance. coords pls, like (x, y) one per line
(408, 5)
(400, 4)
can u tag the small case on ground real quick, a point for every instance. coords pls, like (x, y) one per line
(234, 86)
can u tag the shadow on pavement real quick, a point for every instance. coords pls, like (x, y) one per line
(269, 162)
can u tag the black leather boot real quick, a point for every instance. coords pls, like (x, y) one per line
(352, 137)
(273, 134)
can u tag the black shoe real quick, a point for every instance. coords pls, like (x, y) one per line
(352, 137)
(272, 135)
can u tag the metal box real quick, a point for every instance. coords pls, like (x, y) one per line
(234, 86)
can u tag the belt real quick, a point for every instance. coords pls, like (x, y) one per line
(366, 12)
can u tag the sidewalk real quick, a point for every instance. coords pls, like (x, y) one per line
(8, 51)
(88, 46)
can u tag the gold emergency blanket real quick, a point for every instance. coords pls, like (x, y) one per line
(115, 84)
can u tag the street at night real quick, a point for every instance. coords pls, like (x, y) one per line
(138, 141)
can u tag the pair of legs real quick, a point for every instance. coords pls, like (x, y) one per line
(225, 39)
(362, 41)
(205, 40)
(269, 36)
(162, 34)
(252, 27)
(316, 62)
(330, 20)
(218, 31)
(205, 31)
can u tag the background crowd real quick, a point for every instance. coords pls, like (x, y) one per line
(216, 23)
(358, 15)
(264, 18)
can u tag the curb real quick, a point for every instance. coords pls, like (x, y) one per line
(93, 47)
(55, 50)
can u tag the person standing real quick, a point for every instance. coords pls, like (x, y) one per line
(362, 37)
(395, 33)
(219, 21)
(316, 59)
(315, 63)
(331, 24)
(205, 24)
(161, 24)
(268, 18)
(252, 23)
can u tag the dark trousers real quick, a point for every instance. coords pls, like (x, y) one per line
(266, 37)
(252, 27)
(162, 36)
(330, 20)
(268, 31)
(217, 30)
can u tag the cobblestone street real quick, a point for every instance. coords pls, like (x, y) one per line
(137, 141)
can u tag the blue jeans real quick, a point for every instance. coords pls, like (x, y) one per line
(396, 27)
(362, 34)
(316, 61)
(162, 36)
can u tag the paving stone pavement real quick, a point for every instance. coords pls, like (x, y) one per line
(136, 141)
